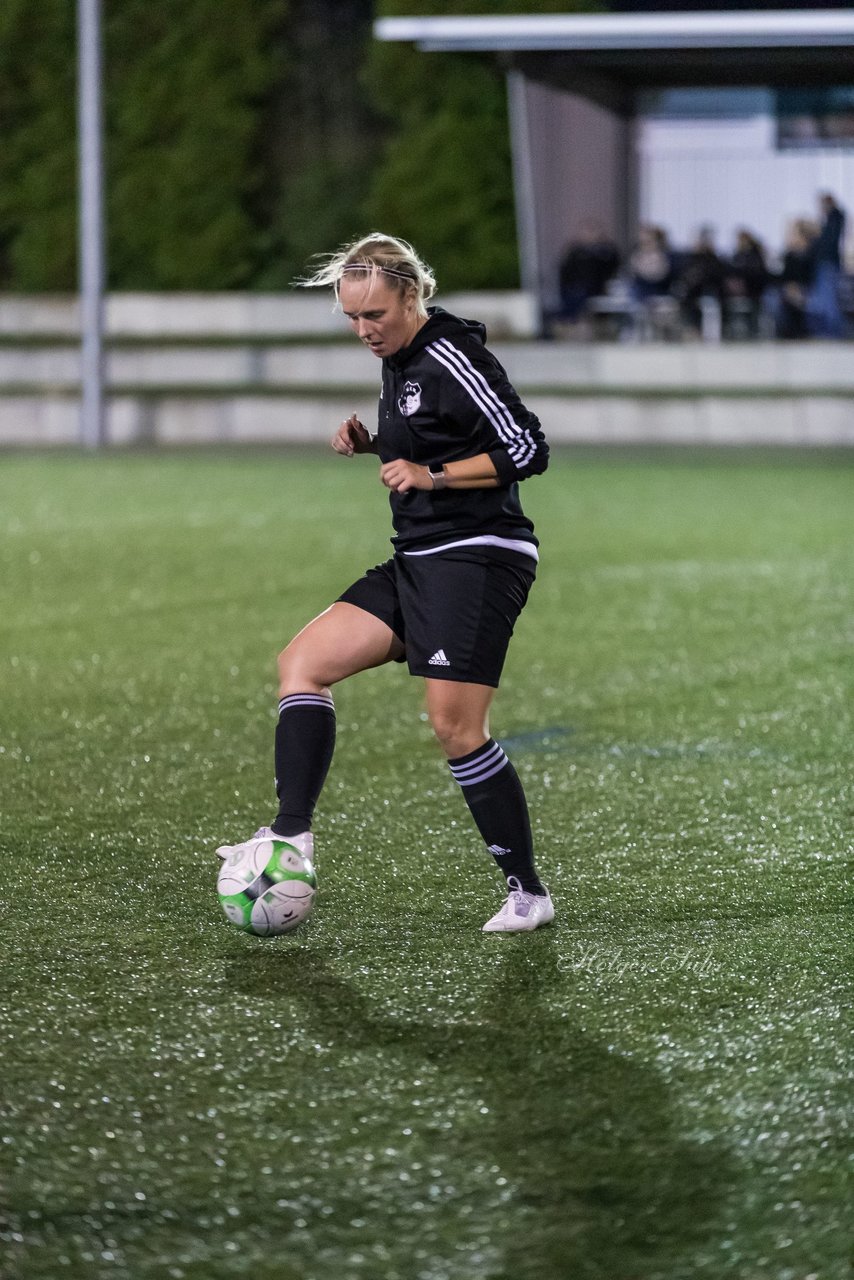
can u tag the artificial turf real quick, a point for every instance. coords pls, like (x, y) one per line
(657, 1087)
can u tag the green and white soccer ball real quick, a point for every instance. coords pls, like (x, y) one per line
(267, 889)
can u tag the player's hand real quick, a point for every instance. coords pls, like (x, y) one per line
(352, 437)
(400, 476)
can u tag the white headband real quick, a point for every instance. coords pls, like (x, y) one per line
(366, 268)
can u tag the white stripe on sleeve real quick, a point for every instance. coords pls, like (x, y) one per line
(517, 440)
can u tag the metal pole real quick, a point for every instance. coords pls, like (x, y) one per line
(91, 223)
(524, 187)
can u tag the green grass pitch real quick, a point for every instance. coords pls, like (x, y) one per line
(658, 1087)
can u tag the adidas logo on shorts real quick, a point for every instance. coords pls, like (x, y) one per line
(438, 659)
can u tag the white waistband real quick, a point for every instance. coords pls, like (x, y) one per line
(484, 540)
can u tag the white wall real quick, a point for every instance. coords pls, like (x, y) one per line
(725, 171)
(235, 316)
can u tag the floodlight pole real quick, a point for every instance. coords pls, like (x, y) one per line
(91, 223)
(524, 188)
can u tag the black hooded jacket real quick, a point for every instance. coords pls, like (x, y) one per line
(445, 397)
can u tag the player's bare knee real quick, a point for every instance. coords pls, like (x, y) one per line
(456, 737)
(297, 673)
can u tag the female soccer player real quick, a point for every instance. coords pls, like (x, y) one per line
(453, 441)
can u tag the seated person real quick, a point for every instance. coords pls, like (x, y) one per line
(746, 281)
(700, 275)
(650, 264)
(589, 264)
(795, 281)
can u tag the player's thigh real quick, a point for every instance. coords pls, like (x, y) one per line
(341, 641)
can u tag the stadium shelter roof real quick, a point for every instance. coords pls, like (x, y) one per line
(769, 47)
(575, 82)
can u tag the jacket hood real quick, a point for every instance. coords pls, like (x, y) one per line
(440, 324)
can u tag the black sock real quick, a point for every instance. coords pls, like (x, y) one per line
(495, 797)
(305, 741)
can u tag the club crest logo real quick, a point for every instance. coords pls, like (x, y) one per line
(410, 401)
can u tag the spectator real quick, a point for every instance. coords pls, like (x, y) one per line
(651, 264)
(824, 311)
(746, 282)
(589, 264)
(699, 275)
(795, 280)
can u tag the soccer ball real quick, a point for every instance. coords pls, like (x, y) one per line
(268, 888)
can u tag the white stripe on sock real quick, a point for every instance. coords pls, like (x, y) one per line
(306, 700)
(462, 771)
(490, 761)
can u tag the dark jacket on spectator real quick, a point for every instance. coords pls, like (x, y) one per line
(747, 275)
(829, 240)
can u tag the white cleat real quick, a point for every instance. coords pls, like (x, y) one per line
(263, 833)
(522, 911)
(304, 842)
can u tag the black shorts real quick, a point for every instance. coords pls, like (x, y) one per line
(453, 610)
